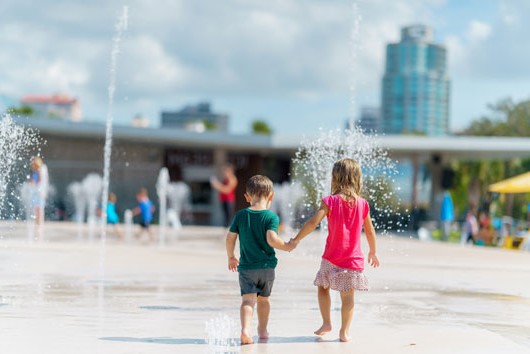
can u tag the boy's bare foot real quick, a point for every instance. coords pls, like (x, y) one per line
(326, 328)
(246, 338)
(263, 334)
(344, 337)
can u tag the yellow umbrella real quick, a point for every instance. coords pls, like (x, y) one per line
(517, 184)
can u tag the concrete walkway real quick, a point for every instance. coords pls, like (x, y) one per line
(65, 295)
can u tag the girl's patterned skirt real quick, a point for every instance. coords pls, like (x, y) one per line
(340, 279)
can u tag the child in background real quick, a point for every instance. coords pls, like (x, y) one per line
(145, 210)
(257, 228)
(112, 215)
(227, 192)
(342, 263)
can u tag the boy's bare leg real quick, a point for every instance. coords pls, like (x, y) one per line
(264, 309)
(151, 234)
(248, 301)
(324, 303)
(347, 314)
(118, 232)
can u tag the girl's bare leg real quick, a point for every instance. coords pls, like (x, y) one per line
(324, 303)
(263, 309)
(248, 301)
(347, 314)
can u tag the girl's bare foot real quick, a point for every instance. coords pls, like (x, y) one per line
(246, 338)
(325, 328)
(344, 337)
(263, 334)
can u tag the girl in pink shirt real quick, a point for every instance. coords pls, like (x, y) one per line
(342, 263)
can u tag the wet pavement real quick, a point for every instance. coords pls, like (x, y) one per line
(66, 294)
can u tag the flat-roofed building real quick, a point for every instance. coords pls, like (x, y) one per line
(54, 106)
(199, 118)
(73, 150)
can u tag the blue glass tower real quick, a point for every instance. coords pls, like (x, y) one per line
(415, 95)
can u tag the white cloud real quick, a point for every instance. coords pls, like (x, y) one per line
(509, 14)
(64, 76)
(176, 49)
(478, 31)
(148, 68)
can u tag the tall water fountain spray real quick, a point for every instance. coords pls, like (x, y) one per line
(162, 189)
(92, 186)
(173, 199)
(76, 193)
(120, 27)
(179, 196)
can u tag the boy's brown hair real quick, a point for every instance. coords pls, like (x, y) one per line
(259, 186)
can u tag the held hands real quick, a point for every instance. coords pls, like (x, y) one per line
(233, 262)
(292, 244)
(372, 260)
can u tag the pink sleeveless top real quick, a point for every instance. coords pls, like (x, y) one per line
(345, 223)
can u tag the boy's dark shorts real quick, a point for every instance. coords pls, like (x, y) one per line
(144, 224)
(256, 281)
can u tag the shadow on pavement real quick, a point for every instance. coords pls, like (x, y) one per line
(160, 340)
(181, 341)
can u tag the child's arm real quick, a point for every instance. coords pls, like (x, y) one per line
(312, 223)
(224, 188)
(370, 237)
(233, 262)
(276, 242)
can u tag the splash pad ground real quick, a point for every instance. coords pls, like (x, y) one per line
(66, 296)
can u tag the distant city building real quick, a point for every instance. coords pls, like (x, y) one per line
(54, 106)
(197, 118)
(415, 95)
(370, 120)
(139, 121)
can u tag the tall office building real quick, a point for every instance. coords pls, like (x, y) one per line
(415, 95)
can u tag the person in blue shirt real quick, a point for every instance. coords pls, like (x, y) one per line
(144, 210)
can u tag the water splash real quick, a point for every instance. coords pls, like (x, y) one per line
(221, 334)
(288, 204)
(314, 161)
(17, 144)
(33, 197)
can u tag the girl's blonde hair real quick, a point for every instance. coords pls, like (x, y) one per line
(346, 178)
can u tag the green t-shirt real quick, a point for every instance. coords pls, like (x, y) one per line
(252, 227)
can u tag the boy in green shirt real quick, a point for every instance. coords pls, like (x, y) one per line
(257, 228)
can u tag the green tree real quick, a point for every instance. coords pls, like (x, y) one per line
(21, 111)
(208, 125)
(259, 126)
(506, 118)
(509, 119)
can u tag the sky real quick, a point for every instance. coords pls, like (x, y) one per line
(299, 65)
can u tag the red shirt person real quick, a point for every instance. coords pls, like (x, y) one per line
(227, 192)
